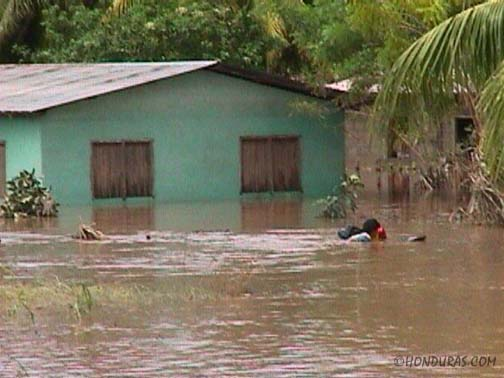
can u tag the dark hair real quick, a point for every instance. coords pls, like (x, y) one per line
(370, 225)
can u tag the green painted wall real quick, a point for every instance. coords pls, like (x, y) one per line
(22, 143)
(195, 121)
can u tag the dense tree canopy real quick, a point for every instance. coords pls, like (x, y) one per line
(316, 40)
(292, 37)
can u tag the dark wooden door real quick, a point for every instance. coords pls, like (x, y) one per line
(270, 163)
(121, 169)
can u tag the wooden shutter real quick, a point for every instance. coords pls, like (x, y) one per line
(107, 170)
(286, 175)
(255, 161)
(270, 163)
(121, 169)
(138, 156)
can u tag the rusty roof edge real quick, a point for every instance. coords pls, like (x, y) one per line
(273, 80)
(22, 113)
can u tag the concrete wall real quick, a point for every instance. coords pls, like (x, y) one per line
(195, 121)
(364, 151)
(22, 144)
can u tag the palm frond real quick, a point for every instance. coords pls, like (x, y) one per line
(270, 19)
(461, 52)
(461, 57)
(491, 107)
(118, 7)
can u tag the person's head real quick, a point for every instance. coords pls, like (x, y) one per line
(374, 229)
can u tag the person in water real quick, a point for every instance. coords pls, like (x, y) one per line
(371, 230)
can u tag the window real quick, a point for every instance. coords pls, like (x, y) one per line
(121, 169)
(463, 131)
(270, 164)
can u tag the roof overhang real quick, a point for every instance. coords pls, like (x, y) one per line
(278, 81)
(32, 88)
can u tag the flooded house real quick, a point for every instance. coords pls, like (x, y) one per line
(196, 130)
(384, 162)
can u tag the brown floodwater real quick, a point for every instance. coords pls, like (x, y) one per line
(306, 304)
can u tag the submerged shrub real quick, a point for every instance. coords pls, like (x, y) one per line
(343, 198)
(26, 197)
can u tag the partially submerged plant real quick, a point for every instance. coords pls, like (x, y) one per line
(343, 198)
(83, 303)
(26, 197)
(486, 199)
(34, 297)
(438, 175)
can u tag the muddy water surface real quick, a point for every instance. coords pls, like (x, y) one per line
(256, 289)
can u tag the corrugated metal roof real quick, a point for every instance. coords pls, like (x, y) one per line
(27, 88)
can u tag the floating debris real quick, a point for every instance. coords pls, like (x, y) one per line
(88, 232)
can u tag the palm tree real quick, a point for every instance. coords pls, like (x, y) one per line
(15, 16)
(461, 59)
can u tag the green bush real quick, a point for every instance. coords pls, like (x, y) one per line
(26, 197)
(342, 199)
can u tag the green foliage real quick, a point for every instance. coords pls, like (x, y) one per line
(315, 40)
(306, 38)
(27, 197)
(292, 37)
(387, 29)
(147, 31)
(343, 198)
(309, 107)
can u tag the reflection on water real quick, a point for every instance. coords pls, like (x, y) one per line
(313, 305)
(125, 219)
(260, 215)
